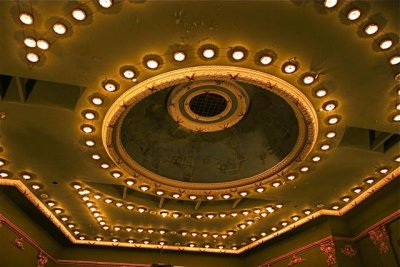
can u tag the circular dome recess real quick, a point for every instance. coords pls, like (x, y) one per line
(210, 129)
(208, 106)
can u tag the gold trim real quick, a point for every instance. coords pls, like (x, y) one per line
(304, 110)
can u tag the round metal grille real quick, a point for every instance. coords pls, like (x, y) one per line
(207, 104)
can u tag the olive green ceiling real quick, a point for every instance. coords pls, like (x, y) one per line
(41, 133)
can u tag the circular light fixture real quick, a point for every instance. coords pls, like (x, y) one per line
(290, 67)
(144, 187)
(273, 229)
(243, 193)
(95, 156)
(179, 56)
(89, 115)
(176, 195)
(209, 197)
(43, 44)
(333, 120)
(32, 57)
(2, 162)
(329, 106)
(260, 189)
(159, 192)
(354, 14)
(97, 100)
(284, 224)
(370, 180)
(398, 106)
(396, 118)
(163, 214)
(309, 78)
(291, 177)
(383, 170)
(89, 142)
(335, 207)
(330, 134)
(51, 203)
(105, 3)
(116, 174)
(30, 42)
(105, 166)
(371, 29)
(346, 199)
(265, 60)
(152, 64)
(325, 147)
(357, 190)
(276, 184)
(128, 74)
(226, 196)
(141, 210)
(386, 44)
(87, 129)
(36, 186)
(26, 18)
(192, 197)
(330, 3)
(79, 14)
(397, 159)
(59, 28)
(208, 53)
(307, 212)
(321, 93)
(304, 169)
(4, 174)
(394, 60)
(295, 218)
(110, 86)
(238, 54)
(316, 158)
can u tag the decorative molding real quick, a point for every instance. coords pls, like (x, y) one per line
(348, 250)
(295, 260)
(19, 243)
(328, 248)
(380, 238)
(42, 259)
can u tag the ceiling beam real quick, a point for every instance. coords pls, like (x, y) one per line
(236, 203)
(198, 203)
(379, 140)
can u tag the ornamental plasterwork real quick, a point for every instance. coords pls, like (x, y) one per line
(295, 260)
(328, 249)
(380, 238)
(348, 250)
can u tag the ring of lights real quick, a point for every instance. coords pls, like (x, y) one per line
(304, 111)
(236, 99)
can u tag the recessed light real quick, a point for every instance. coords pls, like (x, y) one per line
(398, 106)
(105, 3)
(279, 206)
(76, 232)
(253, 239)
(371, 29)
(146, 242)
(26, 176)
(295, 218)
(304, 169)
(394, 60)
(222, 215)
(307, 212)
(321, 93)
(164, 213)
(325, 147)
(152, 64)
(386, 44)
(210, 216)
(333, 120)
(128, 74)
(384, 170)
(276, 184)
(192, 197)
(89, 115)
(354, 14)
(199, 216)
(226, 196)
(43, 44)
(309, 79)
(397, 159)
(176, 195)
(160, 192)
(370, 180)
(90, 143)
(270, 209)
(97, 100)
(209, 197)
(116, 174)
(265, 60)
(87, 129)
(357, 190)
(110, 86)
(335, 207)
(26, 18)
(316, 158)
(105, 166)
(238, 54)
(105, 227)
(78, 14)
(208, 53)
(144, 187)
(141, 210)
(234, 214)
(329, 106)
(284, 224)
(274, 229)
(51, 203)
(330, 3)
(32, 57)
(30, 42)
(243, 193)
(396, 117)
(179, 56)
(346, 199)
(291, 177)
(330, 134)
(290, 67)
(58, 211)
(59, 28)
(245, 212)
(260, 189)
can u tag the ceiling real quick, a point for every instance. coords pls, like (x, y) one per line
(120, 167)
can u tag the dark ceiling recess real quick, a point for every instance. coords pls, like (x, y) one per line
(208, 104)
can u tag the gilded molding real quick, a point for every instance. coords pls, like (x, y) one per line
(42, 259)
(348, 250)
(295, 260)
(19, 243)
(328, 249)
(304, 111)
(380, 238)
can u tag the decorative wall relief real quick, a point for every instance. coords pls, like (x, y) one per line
(349, 250)
(295, 260)
(380, 238)
(328, 249)
(42, 259)
(19, 243)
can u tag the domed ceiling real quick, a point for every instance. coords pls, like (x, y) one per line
(201, 126)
